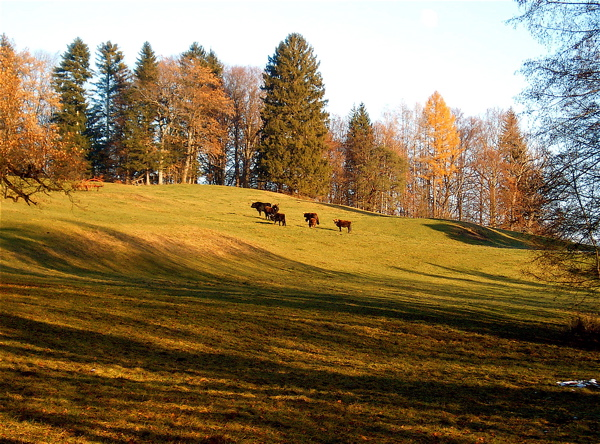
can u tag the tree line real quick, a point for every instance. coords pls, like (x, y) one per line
(190, 119)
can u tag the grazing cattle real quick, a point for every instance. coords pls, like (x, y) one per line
(309, 216)
(343, 223)
(313, 222)
(260, 206)
(270, 211)
(278, 217)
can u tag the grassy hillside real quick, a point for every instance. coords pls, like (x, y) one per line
(176, 314)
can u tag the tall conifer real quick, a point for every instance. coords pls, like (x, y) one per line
(208, 59)
(359, 146)
(374, 171)
(523, 179)
(108, 114)
(291, 155)
(69, 81)
(142, 115)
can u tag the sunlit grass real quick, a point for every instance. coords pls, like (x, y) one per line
(175, 314)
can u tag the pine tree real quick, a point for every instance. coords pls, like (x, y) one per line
(441, 148)
(360, 147)
(141, 122)
(522, 200)
(375, 173)
(69, 81)
(108, 114)
(208, 59)
(292, 151)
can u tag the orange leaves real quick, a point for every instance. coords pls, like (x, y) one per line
(32, 156)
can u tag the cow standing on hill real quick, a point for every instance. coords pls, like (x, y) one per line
(270, 211)
(309, 216)
(278, 217)
(313, 222)
(260, 206)
(343, 223)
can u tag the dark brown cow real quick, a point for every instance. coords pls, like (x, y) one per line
(313, 222)
(343, 223)
(278, 217)
(270, 211)
(260, 206)
(309, 216)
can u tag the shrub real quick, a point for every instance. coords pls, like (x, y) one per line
(585, 328)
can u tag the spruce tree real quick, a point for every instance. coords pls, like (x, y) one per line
(522, 199)
(374, 172)
(291, 155)
(207, 59)
(359, 146)
(108, 114)
(142, 115)
(69, 81)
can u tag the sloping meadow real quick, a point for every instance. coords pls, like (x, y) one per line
(177, 314)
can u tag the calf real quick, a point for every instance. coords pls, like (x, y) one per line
(260, 206)
(309, 216)
(343, 223)
(270, 211)
(312, 222)
(278, 217)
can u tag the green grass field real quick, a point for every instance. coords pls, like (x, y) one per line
(176, 314)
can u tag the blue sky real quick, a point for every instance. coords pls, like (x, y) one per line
(382, 53)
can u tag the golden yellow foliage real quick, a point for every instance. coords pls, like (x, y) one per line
(440, 151)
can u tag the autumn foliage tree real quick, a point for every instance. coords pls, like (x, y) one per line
(439, 155)
(33, 158)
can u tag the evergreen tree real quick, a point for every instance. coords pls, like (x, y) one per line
(141, 122)
(513, 149)
(375, 173)
(207, 59)
(69, 80)
(108, 114)
(360, 147)
(291, 155)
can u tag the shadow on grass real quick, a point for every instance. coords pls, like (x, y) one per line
(243, 276)
(473, 234)
(118, 388)
(191, 394)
